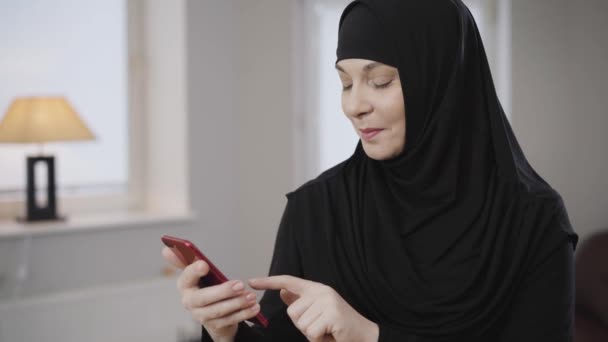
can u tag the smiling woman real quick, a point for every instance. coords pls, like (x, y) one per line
(323, 139)
(435, 229)
(372, 100)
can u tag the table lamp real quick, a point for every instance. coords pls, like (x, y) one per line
(39, 120)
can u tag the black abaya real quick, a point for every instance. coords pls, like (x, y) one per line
(541, 308)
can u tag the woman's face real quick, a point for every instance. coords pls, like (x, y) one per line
(373, 102)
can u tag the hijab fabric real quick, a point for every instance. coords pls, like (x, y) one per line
(436, 241)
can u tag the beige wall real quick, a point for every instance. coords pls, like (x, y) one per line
(264, 112)
(560, 116)
(240, 103)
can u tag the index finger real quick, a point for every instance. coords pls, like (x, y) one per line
(287, 282)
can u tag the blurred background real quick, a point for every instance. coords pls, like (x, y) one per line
(206, 113)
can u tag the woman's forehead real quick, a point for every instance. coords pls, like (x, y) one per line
(360, 65)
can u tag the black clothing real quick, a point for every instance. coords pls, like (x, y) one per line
(541, 308)
(449, 240)
(361, 35)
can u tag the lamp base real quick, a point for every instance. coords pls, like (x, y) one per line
(35, 212)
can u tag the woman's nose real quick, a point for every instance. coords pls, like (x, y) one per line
(355, 103)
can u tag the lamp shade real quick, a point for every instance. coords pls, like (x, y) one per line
(42, 119)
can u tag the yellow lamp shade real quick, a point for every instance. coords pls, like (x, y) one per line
(42, 119)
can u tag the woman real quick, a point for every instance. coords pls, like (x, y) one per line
(435, 229)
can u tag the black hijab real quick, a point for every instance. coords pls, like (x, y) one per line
(436, 241)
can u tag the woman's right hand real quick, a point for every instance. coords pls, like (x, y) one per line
(218, 308)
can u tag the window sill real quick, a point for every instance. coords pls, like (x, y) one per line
(92, 222)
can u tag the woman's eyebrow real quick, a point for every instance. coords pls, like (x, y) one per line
(370, 66)
(367, 68)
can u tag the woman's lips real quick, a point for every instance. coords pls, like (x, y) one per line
(369, 133)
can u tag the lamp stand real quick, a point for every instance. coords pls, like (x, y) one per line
(33, 211)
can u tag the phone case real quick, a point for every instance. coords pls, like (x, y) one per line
(189, 253)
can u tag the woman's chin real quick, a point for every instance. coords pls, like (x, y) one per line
(379, 152)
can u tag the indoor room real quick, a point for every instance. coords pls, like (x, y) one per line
(125, 120)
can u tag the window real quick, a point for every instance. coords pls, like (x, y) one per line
(77, 50)
(145, 167)
(323, 137)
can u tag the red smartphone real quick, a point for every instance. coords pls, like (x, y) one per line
(188, 253)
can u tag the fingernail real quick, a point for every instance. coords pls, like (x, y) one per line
(255, 308)
(250, 297)
(238, 286)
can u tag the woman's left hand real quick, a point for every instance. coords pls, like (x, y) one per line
(318, 311)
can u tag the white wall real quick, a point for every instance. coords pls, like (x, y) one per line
(97, 285)
(560, 115)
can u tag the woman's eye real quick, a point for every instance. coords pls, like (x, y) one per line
(346, 86)
(382, 83)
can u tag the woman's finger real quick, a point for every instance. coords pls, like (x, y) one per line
(172, 258)
(191, 274)
(288, 297)
(318, 330)
(293, 284)
(234, 318)
(224, 308)
(295, 310)
(216, 293)
(304, 323)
